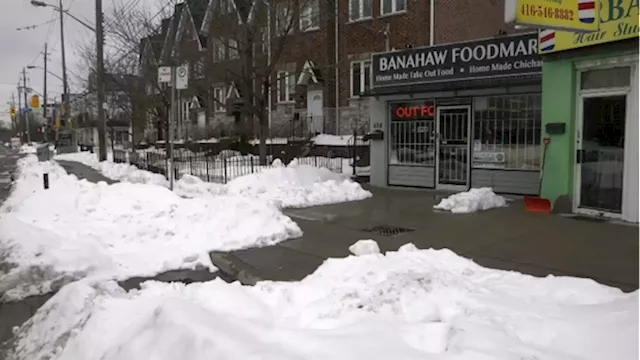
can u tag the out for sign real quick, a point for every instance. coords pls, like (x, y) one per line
(415, 111)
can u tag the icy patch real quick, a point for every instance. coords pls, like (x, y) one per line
(472, 201)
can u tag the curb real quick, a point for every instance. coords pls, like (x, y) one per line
(235, 268)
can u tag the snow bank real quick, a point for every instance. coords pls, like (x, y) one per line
(294, 185)
(335, 140)
(78, 229)
(297, 186)
(410, 304)
(471, 201)
(28, 149)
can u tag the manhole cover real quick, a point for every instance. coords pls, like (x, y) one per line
(388, 230)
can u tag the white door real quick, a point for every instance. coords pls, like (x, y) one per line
(452, 147)
(315, 118)
(606, 159)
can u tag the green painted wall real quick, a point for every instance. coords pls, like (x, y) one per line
(558, 106)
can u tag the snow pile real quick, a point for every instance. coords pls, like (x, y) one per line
(297, 186)
(115, 171)
(365, 247)
(472, 201)
(405, 305)
(78, 229)
(28, 148)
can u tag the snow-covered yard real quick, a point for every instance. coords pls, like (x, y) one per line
(78, 229)
(405, 305)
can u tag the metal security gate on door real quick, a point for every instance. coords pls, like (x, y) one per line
(452, 165)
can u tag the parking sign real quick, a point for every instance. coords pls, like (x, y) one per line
(182, 77)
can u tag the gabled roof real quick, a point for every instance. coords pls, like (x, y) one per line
(170, 36)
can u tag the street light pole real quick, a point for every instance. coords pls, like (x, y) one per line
(44, 108)
(102, 139)
(65, 84)
(26, 116)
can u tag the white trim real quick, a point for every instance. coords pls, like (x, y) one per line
(578, 143)
(289, 92)
(218, 106)
(208, 15)
(439, 186)
(314, 5)
(363, 64)
(307, 73)
(233, 90)
(361, 15)
(394, 8)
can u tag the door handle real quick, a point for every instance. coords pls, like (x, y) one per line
(580, 155)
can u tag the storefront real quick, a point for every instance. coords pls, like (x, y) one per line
(590, 115)
(458, 116)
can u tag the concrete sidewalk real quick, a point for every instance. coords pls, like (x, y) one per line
(507, 238)
(84, 172)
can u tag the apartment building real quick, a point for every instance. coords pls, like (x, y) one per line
(315, 55)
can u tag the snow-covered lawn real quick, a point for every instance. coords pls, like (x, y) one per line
(295, 185)
(77, 229)
(406, 305)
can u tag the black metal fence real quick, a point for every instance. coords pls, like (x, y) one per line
(210, 168)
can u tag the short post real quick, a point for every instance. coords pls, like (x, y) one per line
(251, 159)
(45, 180)
(353, 162)
(224, 165)
(206, 163)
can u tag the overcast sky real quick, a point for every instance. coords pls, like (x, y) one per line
(20, 48)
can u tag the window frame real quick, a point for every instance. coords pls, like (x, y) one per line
(233, 52)
(283, 11)
(221, 97)
(289, 87)
(394, 7)
(364, 64)
(313, 9)
(361, 7)
(218, 49)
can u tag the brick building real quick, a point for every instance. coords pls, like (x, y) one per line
(320, 53)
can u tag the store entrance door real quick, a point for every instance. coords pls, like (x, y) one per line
(600, 154)
(452, 165)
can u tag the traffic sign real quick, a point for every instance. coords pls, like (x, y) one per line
(164, 74)
(182, 77)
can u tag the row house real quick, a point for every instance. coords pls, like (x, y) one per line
(313, 56)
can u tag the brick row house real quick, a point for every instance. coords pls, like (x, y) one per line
(314, 54)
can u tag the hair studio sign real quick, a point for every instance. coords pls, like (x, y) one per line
(495, 57)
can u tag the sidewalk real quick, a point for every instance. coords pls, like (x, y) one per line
(84, 172)
(507, 238)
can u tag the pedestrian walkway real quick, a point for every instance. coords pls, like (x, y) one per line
(84, 172)
(506, 238)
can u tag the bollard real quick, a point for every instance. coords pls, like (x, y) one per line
(45, 180)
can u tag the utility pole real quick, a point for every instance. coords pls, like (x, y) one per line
(102, 139)
(174, 117)
(14, 126)
(26, 116)
(19, 116)
(65, 84)
(44, 101)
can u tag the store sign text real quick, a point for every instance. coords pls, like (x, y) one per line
(501, 56)
(423, 111)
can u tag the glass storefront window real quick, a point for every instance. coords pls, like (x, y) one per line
(412, 133)
(606, 78)
(507, 132)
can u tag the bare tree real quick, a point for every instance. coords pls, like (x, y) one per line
(126, 28)
(253, 32)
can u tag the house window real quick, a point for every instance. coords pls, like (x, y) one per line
(360, 9)
(233, 49)
(283, 20)
(218, 50)
(360, 77)
(219, 99)
(310, 15)
(286, 86)
(198, 69)
(392, 6)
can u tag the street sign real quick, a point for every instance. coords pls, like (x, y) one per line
(35, 101)
(164, 74)
(182, 77)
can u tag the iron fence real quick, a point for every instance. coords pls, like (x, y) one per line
(217, 168)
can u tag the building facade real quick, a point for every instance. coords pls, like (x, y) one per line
(590, 115)
(458, 115)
